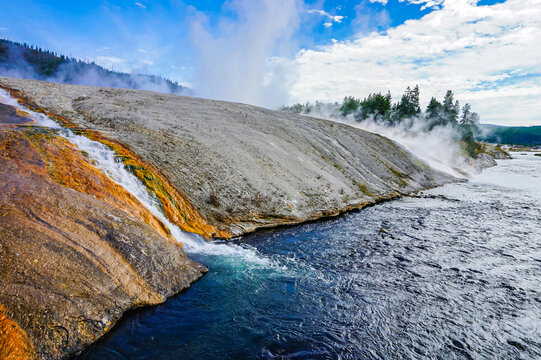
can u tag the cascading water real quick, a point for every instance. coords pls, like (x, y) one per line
(107, 161)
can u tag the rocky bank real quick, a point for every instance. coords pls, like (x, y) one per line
(241, 167)
(77, 250)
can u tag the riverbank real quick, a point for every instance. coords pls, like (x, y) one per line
(82, 245)
(450, 273)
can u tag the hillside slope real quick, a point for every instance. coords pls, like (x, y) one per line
(511, 135)
(242, 167)
(24, 61)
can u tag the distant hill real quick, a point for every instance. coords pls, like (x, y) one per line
(29, 62)
(516, 135)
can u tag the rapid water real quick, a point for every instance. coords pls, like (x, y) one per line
(454, 274)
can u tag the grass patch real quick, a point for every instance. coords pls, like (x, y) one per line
(364, 189)
(400, 175)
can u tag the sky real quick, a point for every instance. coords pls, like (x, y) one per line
(278, 52)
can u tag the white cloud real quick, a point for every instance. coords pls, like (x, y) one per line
(142, 6)
(142, 51)
(489, 55)
(4, 29)
(427, 4)
(330, 18)
(110, 59)
(112, 62)
(147, 62)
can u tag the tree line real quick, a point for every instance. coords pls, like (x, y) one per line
(380, 108)
(48, 65)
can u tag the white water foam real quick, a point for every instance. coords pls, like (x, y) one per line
(107, 161)
(39, 119)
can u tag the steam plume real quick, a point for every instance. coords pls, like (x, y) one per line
(438, 147)
(235, 63)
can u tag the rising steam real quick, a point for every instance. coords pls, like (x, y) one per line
(438, 147)
(234, 62)
(13, 63)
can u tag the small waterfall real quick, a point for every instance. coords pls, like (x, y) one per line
(111, 165)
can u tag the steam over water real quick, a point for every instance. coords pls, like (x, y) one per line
(450, 276)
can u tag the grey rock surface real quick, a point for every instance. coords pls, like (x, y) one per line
(242, 166)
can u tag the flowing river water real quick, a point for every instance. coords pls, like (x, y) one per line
(452, 274)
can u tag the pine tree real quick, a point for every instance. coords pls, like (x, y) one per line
(376, 105)
(349, 105)
(434, 109)
(466, 115)
(450, 108)
(408, 107)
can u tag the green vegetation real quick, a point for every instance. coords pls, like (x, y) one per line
(376, 105)
(363, 188)
(408, 107)
(27, 61)
(380, 109)
(400, 175)
(516, 135)
(44, 62)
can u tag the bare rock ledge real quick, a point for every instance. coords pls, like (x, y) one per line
(242, 167)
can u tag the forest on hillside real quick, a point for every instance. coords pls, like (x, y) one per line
(405, 112)
(31, 62)
(511, 135)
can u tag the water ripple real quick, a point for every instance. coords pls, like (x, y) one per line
(450, 276)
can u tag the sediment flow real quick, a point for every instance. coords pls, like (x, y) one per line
(81, 244)
(77, 249)
(239, 167)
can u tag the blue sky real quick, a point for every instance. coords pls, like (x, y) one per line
(99, 30)
(271, 52)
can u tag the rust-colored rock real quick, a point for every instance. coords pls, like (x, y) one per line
(14, 343)
(178, 209)
(11, 117)
(76, 250)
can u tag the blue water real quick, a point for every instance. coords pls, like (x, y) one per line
(453, 274)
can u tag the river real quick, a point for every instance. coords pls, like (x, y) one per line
(452, 274)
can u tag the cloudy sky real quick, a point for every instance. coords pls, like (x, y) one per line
(274, 52)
